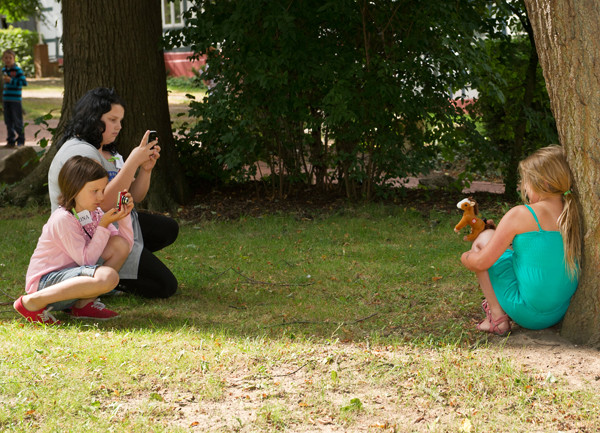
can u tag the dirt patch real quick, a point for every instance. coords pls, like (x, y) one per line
(557, 358)
(372, 394)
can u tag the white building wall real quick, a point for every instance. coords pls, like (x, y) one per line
(50, 28)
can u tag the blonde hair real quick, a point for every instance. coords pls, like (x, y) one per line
(547, 171)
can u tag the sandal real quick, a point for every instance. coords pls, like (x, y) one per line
(485, 307)
(495, 325)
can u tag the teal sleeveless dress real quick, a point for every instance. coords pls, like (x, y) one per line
(531, 281)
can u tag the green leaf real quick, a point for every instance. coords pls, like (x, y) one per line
(154, 396)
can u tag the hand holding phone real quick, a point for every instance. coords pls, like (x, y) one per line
(153, 136)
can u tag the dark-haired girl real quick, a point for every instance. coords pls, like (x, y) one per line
(92, 132)
(63, 271)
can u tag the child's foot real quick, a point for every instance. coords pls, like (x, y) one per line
(39, 316)
(500, 327)
(94, 310)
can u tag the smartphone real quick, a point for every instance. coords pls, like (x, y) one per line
(151, 137)
(123, 200)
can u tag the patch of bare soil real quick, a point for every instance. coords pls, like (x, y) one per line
(547, 352)
(301, 395)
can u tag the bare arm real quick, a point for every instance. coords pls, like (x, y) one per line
(141, 184)
(140, 157)
(510, 226)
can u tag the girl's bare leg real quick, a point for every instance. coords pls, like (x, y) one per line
(488, 291)
(115, 253)
(486, 285)
(84, 289)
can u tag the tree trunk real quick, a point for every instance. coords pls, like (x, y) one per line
(116, 44)
(566, 36)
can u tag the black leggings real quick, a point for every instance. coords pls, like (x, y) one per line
(154, 279)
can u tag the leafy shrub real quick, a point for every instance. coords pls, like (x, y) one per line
(513, 105)
(186, 83)
(21, 42)
(326, 93)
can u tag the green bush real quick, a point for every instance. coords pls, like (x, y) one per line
(21, 42)
(513, 104)
(326, 93)
(186, 83)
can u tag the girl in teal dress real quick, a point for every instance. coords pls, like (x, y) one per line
(528, 267)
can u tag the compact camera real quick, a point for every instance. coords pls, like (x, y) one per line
(123, 200)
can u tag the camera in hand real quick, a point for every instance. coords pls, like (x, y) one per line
(123, 200)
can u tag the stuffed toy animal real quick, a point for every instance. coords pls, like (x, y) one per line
(470, 211)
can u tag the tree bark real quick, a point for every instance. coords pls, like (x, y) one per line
(566, 36)
(117, 44)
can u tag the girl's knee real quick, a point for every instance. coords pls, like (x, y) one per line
(482, 240)
(118, 245)
(117, 249)
(107, 277)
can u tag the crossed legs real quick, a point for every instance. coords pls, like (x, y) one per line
(84, 289)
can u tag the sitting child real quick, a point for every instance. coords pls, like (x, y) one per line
(63, 271)
(531, 283)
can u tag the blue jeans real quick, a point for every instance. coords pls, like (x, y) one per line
(13, 117)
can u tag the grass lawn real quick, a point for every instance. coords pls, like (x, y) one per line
(360, 319)
(47, 98)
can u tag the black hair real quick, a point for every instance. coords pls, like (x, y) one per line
(85, 122)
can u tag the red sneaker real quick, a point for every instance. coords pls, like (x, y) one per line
(94, 310)
(39, 316)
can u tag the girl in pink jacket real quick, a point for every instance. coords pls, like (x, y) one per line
(63, 272)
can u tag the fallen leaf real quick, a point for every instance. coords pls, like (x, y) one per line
(325, 421)
(466, 426)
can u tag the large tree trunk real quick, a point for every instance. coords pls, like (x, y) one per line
(116, 44)
(566, 35)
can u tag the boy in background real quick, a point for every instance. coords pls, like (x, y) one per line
(13, 79)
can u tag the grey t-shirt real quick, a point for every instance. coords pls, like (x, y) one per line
(76, 146)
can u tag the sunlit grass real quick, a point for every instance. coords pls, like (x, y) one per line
(360, 319)
(34, 108)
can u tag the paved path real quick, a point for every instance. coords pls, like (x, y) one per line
(30, 129)
(30, 133)
(476, 186)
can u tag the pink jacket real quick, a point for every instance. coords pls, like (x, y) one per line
(64, 244)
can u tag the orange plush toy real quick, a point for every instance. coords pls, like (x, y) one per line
(470, 210)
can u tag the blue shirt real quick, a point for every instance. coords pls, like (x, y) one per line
(12, 89)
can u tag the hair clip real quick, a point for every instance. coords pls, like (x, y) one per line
(567, 192)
